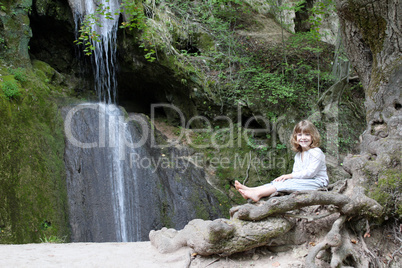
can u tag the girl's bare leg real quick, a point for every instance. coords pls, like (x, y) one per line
(257, 193)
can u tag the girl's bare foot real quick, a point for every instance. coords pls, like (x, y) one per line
(242, 193)
(249, 194)
(238, 186)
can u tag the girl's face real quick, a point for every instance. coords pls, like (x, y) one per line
(304, 140)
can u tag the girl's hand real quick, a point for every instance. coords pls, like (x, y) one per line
(284, 177)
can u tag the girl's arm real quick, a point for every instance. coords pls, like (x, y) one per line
(284, 177)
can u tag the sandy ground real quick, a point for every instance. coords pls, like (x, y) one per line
(136, 254)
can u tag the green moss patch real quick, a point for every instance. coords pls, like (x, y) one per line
(33, 199)
(387, 192)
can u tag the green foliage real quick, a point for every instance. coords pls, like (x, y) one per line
(46, 227)
(272, 87)
(149, 53)
(27, 7)
(320, 10)
(87, 33)
(19, 74)
(243, 71)
(280, 146)
(52, 239)
(136, 17)
(137, 20)
(305, 41)
(2, 6)
(11, 90)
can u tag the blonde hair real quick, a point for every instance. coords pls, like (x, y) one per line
(305, 126)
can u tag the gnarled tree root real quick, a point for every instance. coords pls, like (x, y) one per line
(221, 236)
(338, 241)
(332, 239)
(254, 225)
(358, 205)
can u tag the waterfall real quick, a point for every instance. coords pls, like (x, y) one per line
(115, 183)
(104, 54)
(119, 185)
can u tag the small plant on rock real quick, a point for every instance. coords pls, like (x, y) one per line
(11, 90)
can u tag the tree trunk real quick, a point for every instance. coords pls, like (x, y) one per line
(372, 37)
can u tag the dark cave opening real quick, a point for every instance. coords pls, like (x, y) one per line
(53, 38)
(135, 95)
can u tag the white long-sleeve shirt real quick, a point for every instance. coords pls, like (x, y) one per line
(311, 167)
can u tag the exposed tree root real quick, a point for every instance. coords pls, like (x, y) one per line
(397, 232)
(358, 205)
(223, 237)
(345, 255)
(332, 239)
(342, 251)
(372, 256)
(262, 223)
(308, 217)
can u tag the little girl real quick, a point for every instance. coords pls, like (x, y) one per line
(309, 170)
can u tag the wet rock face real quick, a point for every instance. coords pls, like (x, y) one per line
(90, 202)
(122, 196)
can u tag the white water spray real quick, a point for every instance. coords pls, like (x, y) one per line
(124, 190)
(104, 54)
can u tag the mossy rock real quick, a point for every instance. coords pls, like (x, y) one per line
(46, 72)
(57, 9)
(32, 176)
(387, 192)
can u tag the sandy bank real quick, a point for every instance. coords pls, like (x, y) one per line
(136, 254)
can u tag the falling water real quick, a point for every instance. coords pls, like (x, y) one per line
(104, 54)
(121, 181)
